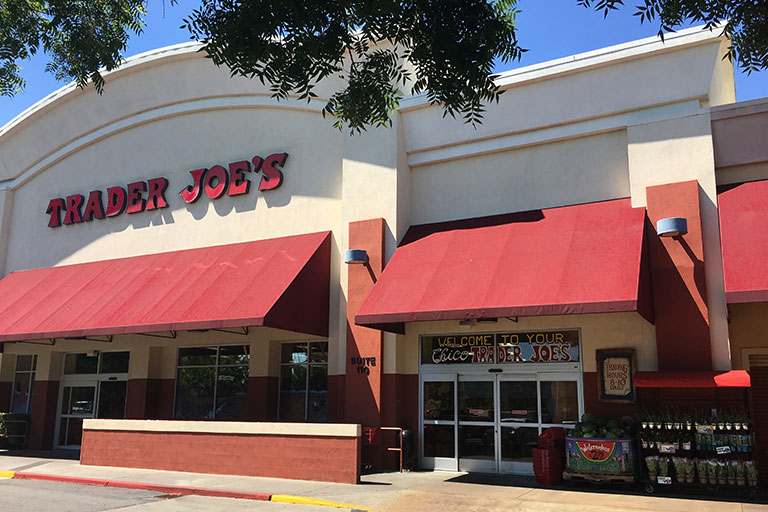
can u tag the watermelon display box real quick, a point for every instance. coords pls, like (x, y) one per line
(599, 455)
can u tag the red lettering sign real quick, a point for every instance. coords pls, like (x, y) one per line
(150, 195)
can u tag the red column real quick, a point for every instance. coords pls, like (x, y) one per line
(6, 389)
(363, 379)
(136, 399)
(43, 415)
(263, 395)
(679, 283)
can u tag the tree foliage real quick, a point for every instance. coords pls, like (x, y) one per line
(80, 37)
(291, 45)
(745, 22)
(374, 50)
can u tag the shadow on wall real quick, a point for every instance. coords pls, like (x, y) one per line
(682, 330)
(423, 230)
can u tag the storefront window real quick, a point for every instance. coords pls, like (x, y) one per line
(96, 362)
(212, 382)
(559, 402)
(23, 383)
(303, 381)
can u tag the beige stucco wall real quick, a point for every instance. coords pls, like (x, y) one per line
(612, 330)
(574, 171)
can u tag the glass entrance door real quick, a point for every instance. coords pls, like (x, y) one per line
(519, 425)
(78, 402)
(438, 413)
(477, 423)
(491, 423)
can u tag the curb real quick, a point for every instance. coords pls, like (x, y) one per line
(303, 500)
(181, 490)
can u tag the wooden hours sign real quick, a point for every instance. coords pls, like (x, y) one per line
(616, 372)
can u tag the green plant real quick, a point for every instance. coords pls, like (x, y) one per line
(750, 469)
(663, 466)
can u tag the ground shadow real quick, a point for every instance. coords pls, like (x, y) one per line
(43, 454)
(734, 494)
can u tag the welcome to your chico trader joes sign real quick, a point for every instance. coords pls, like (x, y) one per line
(501, 347)
(148, 195)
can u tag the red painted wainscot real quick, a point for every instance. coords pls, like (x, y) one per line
(328, 452)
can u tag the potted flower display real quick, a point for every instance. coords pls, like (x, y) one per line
(702, 469)
(679, 464)
(712, 471)
(740, 473)
(652, 462)
(689, 470)
(751, 470)
(722, 472)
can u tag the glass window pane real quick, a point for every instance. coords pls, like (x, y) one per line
(518, 401)
(115, 362)
(197, 356)
(63, 431)
(232, 393)
(112, 399)
(438, 441)
(293, 392)
(80, 363)
(194, 392)
(318, 352)
(294, 353)
(34, 362)
(517, 444)
(476, 442)
(65, 402)
(24, 363)
(82, 398)
(476, 401)
(559, 402)
(438, 401)
(21, 388)
(318, 392)
(234, 355)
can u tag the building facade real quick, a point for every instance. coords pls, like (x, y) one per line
(176, 249)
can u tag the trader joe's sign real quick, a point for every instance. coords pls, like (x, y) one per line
(140, 196)
(499, 348)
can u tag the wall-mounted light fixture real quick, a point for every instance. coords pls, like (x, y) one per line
(487, 320)
(672, 226)
(355, 257)
(467, 324)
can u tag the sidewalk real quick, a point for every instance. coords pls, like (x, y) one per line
(392, 492)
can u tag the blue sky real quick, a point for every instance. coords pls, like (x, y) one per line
(550, 29)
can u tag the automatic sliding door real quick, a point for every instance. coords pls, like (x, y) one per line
(518, 423)
(438, 413)
(477, 423)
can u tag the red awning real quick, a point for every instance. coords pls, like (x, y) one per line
(744, 234)
(702, 379)
(282, 283)
(588, 258)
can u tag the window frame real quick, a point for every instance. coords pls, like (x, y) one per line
(32, 372)
(308, 364)
(216, 365)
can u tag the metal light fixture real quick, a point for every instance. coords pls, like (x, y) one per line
(355, 257)
(467, 324)
(672, 226)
